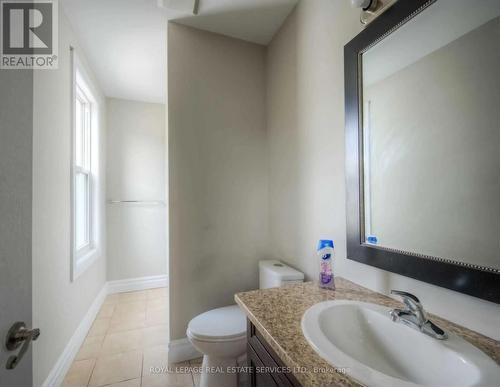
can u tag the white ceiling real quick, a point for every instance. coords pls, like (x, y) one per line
(125, 41)
(252, 20)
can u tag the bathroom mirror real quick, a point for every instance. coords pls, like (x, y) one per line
(423, 137)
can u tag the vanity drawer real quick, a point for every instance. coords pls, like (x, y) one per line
(267, 369)
(258, 379)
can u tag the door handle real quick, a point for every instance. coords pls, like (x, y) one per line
(18, 334)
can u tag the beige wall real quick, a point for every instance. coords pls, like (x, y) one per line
(218, 170)
(58, 304)
(305, 124)
(435, 183)
(135, 170)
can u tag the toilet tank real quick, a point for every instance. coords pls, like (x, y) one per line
(273, 274)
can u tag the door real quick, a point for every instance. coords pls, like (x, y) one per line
(16, 133)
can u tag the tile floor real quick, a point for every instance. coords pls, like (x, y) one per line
(128, 338)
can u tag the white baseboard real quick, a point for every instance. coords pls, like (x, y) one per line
(64, 362)
(58, 372)
(182, 350)
(133, 284)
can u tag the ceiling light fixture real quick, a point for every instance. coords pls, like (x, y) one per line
(371, 9)
(366, 5)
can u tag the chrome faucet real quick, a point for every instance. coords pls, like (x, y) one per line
(415, 317)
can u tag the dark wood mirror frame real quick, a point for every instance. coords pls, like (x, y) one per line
(461, 277)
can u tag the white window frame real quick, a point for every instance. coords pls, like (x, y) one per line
(82, 257)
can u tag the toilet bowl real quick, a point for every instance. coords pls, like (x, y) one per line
(220, 334)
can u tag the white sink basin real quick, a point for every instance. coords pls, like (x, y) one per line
(377, 352)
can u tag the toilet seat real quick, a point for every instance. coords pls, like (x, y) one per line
(220, 334)
(217, 325)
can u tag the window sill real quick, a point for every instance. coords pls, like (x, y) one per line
(83, 262)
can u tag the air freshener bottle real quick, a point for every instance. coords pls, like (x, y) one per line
(325, 253)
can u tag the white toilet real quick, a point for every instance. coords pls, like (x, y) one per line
(220, 334)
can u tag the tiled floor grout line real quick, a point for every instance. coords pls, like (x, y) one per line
(95, 359)
(123, 381)
(102, 343)
(92, 372)
(192, 375)
(95, 354)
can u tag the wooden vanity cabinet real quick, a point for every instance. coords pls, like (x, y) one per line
(266, 368)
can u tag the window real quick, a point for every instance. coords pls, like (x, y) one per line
(84, 108)
(82, 171)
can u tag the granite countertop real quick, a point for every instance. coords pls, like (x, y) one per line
(277, 314)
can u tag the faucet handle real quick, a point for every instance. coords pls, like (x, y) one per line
(411, 301)
(406, 295)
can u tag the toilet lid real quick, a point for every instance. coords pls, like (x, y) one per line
(222, 323)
